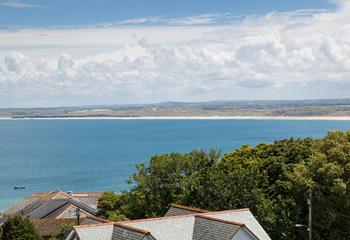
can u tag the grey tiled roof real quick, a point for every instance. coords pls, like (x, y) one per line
(50, 227)
(44, 209)
(224, 225)
(60, 211)
(110, 231)
(30, 203)
(51, 206)
(89, 200)
(39, 202)
(83, 206)
(88, 220)
(18, 206)
(243, 216)
(100, 232)
(123, 233)
(183, 226)
(166, 228)
(176, 210)
(209, 228)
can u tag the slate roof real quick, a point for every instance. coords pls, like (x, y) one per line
(166, 228)
(88, 220)
(109, 231)
(222, 225)
(50, 227)
(95, 232)
(176, 210)
(90, 198)
(207, 228)
(121, 232)
(52, 205)
(38, 198)
(60, 211)
(15, 208)
(243, 216)
(48, 208)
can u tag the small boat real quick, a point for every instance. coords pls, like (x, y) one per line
(19, 187)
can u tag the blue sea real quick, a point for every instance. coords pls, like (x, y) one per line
(98, 155)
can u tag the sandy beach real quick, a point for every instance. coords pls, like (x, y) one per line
(328, 118)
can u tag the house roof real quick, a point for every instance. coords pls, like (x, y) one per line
(50, 227)
(29, 203)
(199, 226)
(88, 220)
(18, 206)
(110, 231)
(127, 232)
(243, 216)
(208, 228)
(176, 210)
(52, 205)
(96, 232)
(90, 198)
(53, 208)
(166, 228)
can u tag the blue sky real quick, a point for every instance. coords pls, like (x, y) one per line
(55, 53)
(86, 12)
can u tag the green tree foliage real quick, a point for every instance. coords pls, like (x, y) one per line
(270, 179)
(17, 228)
(109, 206)
(327, 173)
(63, 232)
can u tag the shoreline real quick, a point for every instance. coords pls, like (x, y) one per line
(328, 118)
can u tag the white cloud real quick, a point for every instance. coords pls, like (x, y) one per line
(301, 54)
(195, 20)
(20, 4)
(138, 21)
(203, 19)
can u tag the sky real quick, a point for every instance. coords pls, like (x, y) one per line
(68, 53)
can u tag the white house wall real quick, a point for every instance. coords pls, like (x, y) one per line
(243, 234)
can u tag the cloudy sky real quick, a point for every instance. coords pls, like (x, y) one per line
(59, 53)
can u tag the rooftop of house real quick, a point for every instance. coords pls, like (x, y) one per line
(197, 225)
(176, 210)
(49, 210)
(55, 204)
(51, 227)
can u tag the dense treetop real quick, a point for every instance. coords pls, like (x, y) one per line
(17, 228)
(271, 179)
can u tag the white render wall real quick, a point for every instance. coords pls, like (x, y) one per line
(243, 234)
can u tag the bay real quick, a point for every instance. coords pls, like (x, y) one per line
(100, 154)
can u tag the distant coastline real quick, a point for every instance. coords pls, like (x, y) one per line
(319, 109)
(329, 118)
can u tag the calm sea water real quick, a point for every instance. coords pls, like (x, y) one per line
(97, 155)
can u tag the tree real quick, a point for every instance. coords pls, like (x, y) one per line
(116, 216)
(17, 228)
(156, 185)
(270, 179)
(109, 206)
(327, 173)
(63, 232)
(164, 181)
